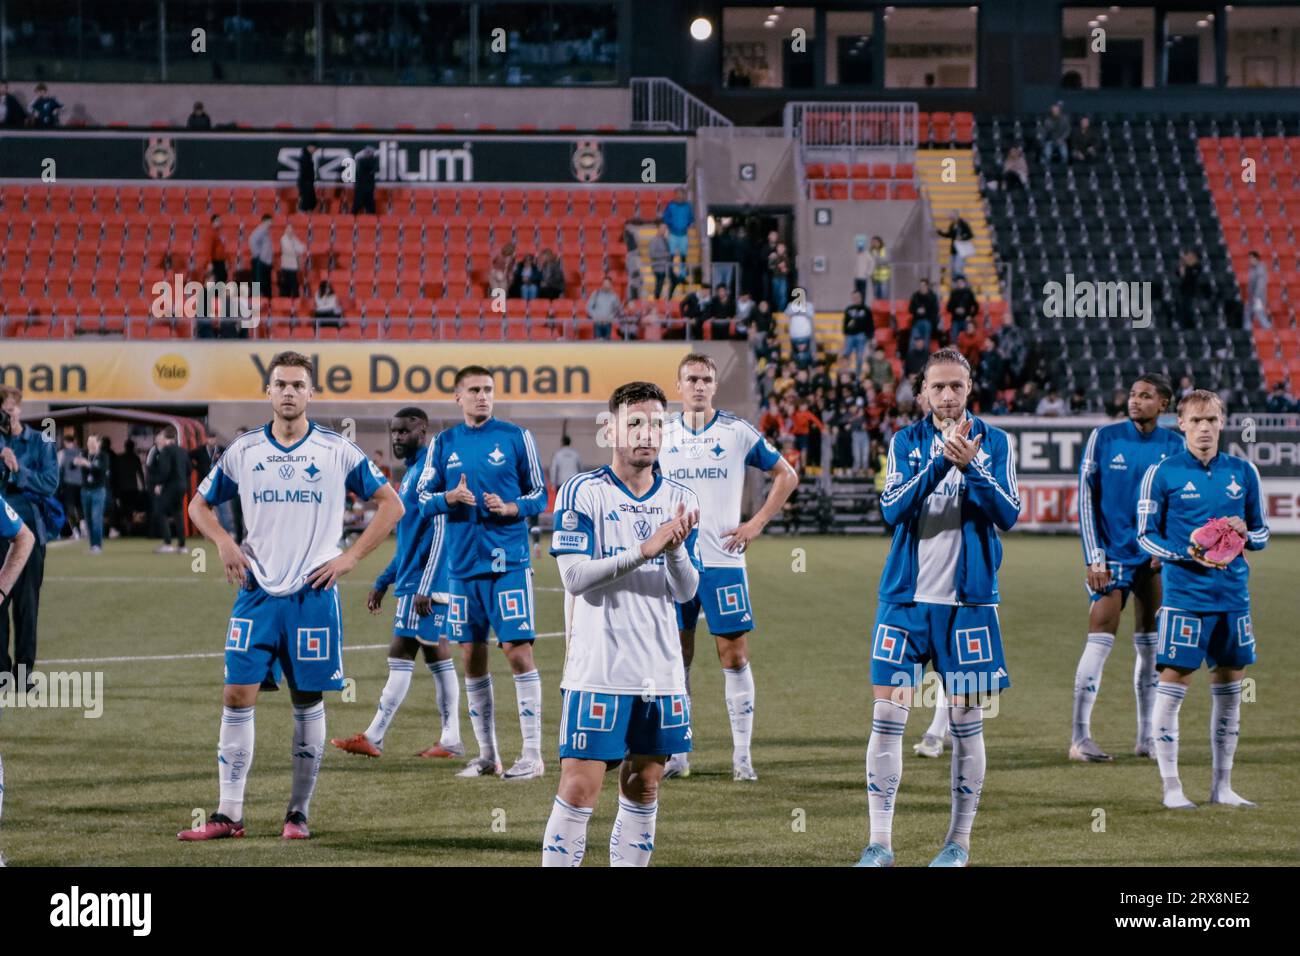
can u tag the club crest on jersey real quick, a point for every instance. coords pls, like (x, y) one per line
(457, 612)
(453, 461)
(731, 599)
(497, 456)
(641, 529)
(286, 472)
(313, 643)
(1245, 631)
(718, 451)
(1234, 490)
(974, 645)
(674, 713)
(239, 635)
(890, 644)
(1184, 630)
(312, 473)
(513, 604)
(597, 711)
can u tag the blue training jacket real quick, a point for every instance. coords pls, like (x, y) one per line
(420, 562)
(990, 501)
(1114, 461)
(496, 457)
(1178, 496)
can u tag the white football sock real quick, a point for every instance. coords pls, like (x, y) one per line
(565, 840)
(1164, 717)
(884, 768)
(528, 692)
(308, 748)
(1087, 681)
(633, 838)
(390, 698)
(448, 697)
(968, 763)
(1225, 731)
(939, 723)
(234, 759)
(478, 695)
(740, 708)
(1145, 678)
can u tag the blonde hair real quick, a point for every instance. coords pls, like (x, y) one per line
(1200, 396)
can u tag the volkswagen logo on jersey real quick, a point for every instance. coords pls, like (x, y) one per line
(496, 456)
(642, 529)
(286, 472)
(313, 473)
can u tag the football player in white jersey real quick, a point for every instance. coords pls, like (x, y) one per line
(625, 543)
(292, 478)
(19, 542)
(709, 451)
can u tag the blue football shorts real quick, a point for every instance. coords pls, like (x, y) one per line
(408, 622)
(723, 593)
(1217, 638)
(608, 727)
(962, 643)
(502, 602)
(300, 632)
(1123, 574)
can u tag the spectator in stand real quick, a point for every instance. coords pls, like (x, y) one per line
(378, 458)
(1279, 402)
(1185, 388)
(858, 329)
(802, 427)
(94, 465)
(962, 307)
(862, 269)
(794, 458)
(722, 306)
(12, 113)
(1015, 169)
(988, 374)
(45, 109)
(744, 312)
(552, 284)
(604, 308)
(778, 264)
(528, 277)
(327, 309)
(802, 333)
(262, 248)
(859, 426)
(1117, 405)
(970, 342)
(1189, 287)
(1257, 292)
(70, 484)
(1078, 402)
(764, 257)
(215, 247)
(168, 473)
(1000, 406)
(1085, 144)
(565, 463)
(924, 307)
(202, 459)
(961, 246)
(1051, 405)
(761, 326)
(307, 178)
(363, 196)
(1056, 131)
(661, 260)
(127, 473)
(198, 119)
(292, 251)
(880, 269)
(1027, 400)
(770, 423)
(679, 217)
(501, 272)
(881, 372)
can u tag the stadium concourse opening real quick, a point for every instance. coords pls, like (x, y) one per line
(518, 342)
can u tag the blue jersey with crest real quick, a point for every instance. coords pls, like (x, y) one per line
(419, 564)
(498, 458)
(1178, 496)
(1114, 461)
(10, 523)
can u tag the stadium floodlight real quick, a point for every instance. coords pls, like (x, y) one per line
(701, 28)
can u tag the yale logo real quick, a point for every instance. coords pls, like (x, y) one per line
(171, 372)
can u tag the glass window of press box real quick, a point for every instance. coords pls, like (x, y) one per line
(931, 47)
(770, 47)
(309, 41)
(1108, 47)
(1263, 48)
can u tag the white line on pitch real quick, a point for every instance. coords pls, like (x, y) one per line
(190, 657)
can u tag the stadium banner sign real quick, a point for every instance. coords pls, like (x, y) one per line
(1048, 504)
(1054, 447)
(403, 159)
(199, 372)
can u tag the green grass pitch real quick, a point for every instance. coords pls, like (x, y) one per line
(114, 790)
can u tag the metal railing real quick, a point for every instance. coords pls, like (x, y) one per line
(852, 126)
(659, 103)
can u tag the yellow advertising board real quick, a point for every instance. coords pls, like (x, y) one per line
(190, 371)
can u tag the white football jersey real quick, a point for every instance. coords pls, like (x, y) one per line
(293, 499)
(622, 636)
(712, 463)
